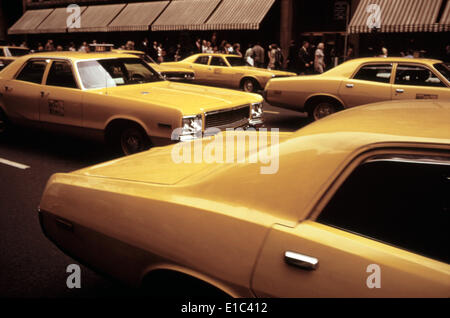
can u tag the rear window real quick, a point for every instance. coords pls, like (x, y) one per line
(236, 61)
(18, 52)
(375, 73)
(403, 202)
(443, 69)
(33, 71)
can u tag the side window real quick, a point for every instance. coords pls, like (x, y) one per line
(416, 76)
(375, 73)
(2, 52)
(405, 203)
(33, 71)
(61, 75)
(202, 60)
(217, 61)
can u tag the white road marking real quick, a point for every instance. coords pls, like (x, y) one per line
(14, 164)
(271, 112)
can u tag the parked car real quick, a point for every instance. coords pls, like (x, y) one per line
(359, 196)
(171, 73)
(228, 71)
(117, 98)
(361, 81)
(8, 54)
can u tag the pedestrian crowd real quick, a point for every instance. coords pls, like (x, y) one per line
(309, 58)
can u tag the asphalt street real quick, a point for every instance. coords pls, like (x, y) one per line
(30, 265)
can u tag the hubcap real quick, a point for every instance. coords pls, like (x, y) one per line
(131, 142)
(323, 110)
(248, 86)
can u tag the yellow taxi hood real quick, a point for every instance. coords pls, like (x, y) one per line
(188, 99)
(169, 166)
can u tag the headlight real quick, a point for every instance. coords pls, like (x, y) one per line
(257, 110)
(191, 127)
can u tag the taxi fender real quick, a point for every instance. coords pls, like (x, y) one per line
(129, 118)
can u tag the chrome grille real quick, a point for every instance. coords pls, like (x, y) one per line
(227, 118)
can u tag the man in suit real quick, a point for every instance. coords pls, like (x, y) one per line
(304, 59)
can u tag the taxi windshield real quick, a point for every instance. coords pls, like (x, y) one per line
(116, 72)
(236, 61)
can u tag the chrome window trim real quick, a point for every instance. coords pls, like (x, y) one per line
(429, 160)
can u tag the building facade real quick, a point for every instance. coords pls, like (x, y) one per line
(340, 24)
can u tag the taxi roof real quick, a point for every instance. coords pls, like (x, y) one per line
(214, 54)
(394, 59)
(312, 158)
(127, 51)
(78, 56)
(394, 120)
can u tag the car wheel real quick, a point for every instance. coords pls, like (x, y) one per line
(133, 139)
(250, 85)
(322, 109)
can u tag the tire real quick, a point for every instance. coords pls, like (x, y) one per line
(132, 139)
(249, 85)
(322, 109)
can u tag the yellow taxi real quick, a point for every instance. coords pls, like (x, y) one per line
(171, 73)
(361, 81)
(359, 207)
(228, 71)
(118, 98)
(8, 54)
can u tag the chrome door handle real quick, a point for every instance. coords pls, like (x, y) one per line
(350, 85)
(301, 261)
(400, 91)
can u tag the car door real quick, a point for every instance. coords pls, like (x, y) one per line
(380, 232)
(414, 81)
(22, 94)
(220, 72)
(201, 69)
(61, 97)
(370, 84)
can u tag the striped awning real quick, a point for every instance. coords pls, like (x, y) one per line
(29, 21)
(445, 19)
(56, 22)
(97, 18)
(396, 16)
(239, 15)
(138, 16)
(185, 15)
